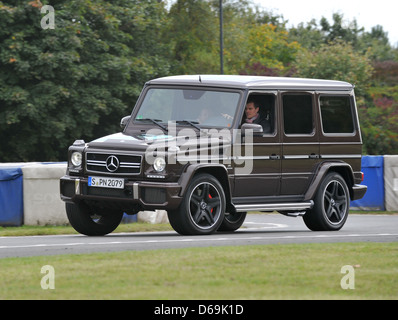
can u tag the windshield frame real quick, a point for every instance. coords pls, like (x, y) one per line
(134, 124)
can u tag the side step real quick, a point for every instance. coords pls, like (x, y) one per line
(291, 206)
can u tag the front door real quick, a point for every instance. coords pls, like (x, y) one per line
(257, 168)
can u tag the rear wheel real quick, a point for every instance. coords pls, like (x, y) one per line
(331, 205)
(202, 208)
(90, 221)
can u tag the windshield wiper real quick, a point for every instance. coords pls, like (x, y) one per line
(155, 121)
(192, 123)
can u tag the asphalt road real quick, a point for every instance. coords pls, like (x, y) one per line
(258, 229)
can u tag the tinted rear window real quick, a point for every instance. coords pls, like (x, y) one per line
(336, 114)
(297, 113)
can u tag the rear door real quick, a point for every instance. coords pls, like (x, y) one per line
(340, 138)
(300, 142)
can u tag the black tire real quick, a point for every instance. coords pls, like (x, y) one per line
(331, 205)
(232, 221)
(87, 221)
(202, 209)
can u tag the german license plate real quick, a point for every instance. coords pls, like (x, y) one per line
(104, 182)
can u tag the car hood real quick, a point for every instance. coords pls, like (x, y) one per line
(141, 142)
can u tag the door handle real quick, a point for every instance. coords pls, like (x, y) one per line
(274, 157)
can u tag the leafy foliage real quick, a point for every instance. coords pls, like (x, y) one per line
(379, 120)
(76, 81)
(336, 61)
(269, 46)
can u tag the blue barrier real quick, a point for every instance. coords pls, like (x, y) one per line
(129, 218)
(11, 196)
(373, 169)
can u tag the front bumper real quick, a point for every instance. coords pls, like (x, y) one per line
(140, 195)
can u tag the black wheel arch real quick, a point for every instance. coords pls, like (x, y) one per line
(342, 168)
(219, 171)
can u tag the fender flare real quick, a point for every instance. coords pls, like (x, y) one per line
(323, 169)
(218, 170)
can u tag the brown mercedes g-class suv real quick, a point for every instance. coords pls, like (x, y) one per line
(208, 149)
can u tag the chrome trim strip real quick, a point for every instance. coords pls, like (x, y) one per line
(77, 186)
(135, 191)
(295, 157)
(296, 206)
(210, 158)
(132, 165)
(96, 162)
(341, 156)
(252, 158)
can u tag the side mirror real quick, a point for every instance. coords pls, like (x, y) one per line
(124, 122)
(251, 127)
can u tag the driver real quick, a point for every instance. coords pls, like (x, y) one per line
(253, 116)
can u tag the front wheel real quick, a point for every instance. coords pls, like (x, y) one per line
(232, 221)
(90, 221)
(202, 209)
(332, 203)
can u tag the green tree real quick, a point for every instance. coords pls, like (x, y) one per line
(339, 31)
(193, 33)
(269, 46)
(379, 118)
(77, 80)
(307, 34)
(312, 35)
(377, 41)
(336, 61)
(238, 18)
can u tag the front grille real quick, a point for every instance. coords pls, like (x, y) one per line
(113, 163)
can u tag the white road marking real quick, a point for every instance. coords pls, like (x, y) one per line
(196, 239)
(263, 225)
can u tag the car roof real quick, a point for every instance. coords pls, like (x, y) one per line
(252, 82)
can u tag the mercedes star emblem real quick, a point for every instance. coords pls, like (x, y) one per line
(112, 163)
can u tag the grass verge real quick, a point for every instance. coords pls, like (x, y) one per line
(57, 230)
(305, 271)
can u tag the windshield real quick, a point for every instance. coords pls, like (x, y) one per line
(197, 107)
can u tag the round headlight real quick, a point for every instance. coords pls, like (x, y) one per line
(159, 164)
(76, 159)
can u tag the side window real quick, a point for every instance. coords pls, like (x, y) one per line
(260, 109)
(336, 113)
(298, 114)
